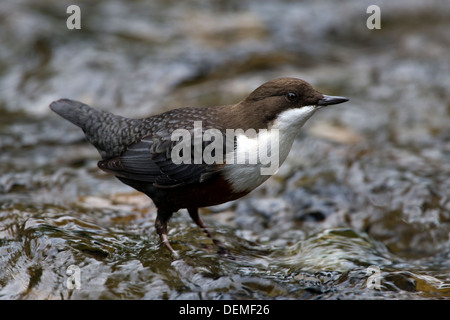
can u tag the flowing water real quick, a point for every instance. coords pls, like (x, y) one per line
(360, 209)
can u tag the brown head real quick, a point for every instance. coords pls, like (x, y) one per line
(273, 98)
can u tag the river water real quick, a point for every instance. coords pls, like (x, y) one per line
(360, 209)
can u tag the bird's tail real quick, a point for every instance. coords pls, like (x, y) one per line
(102, 128)
(76, 112)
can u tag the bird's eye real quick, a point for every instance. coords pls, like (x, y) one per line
(291, 96)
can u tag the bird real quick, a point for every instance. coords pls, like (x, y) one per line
(160, 155)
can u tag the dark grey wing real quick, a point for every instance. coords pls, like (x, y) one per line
(150, 161)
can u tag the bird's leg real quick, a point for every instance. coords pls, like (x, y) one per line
(161, 229)
(193, 212)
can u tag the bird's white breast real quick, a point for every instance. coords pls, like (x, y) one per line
(283, 130)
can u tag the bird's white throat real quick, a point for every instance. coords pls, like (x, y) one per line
(275, 143)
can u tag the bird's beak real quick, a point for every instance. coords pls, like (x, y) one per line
(328, 100)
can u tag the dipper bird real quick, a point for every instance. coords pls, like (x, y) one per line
(140, 152)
